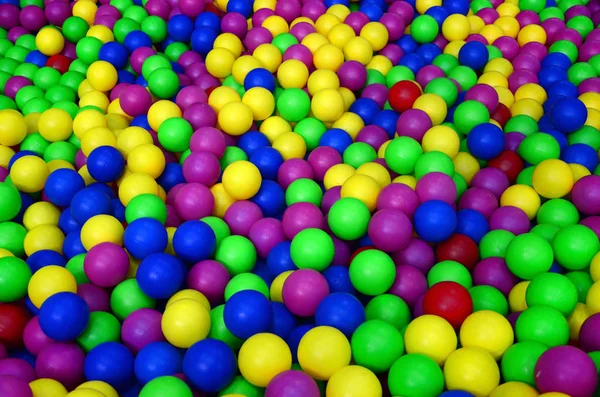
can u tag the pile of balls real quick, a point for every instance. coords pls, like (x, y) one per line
(299, 198)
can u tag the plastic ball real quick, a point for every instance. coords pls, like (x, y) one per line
(354, 380)
(432, 336)
(49, 281)
(450, 301)
(199, 355)
(243, 305)
(262, 357)
(372, 272)
(552, 375)
(323, 351)
(403, 380)
(117, 375)
(435, 221)
(473, 370)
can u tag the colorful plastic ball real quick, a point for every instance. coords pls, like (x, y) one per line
(312, 249)
(568, 114)
(323, 351)
(432, 336)
(450, 301)
(106, 264)
(341, 311)
(303, 290)
(262, 357)
(237, 254)
(105, 164)
(144, 237)
(204, 370)
(49, 41)
(473, 370)
(160, 275)
(48, 281)
(518, 362)
(543, 291)
(165, 385)
(61, 186)
(474, 55)
(424, 29)
(242, 180)
(354, 381)
(372, 272)
(376, 338)
(15, 277)
(289, 383)
(155, 360)
(29, 174)
(488, 330)
(579, 249)
(185, 322)
(110, 362)
(13, 320)
(416, 374)
(542, 324)
(64, 316)
(435, 221)
(242, 307)
(485, 141)
(554, 372)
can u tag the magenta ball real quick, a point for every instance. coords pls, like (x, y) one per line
(12, 386)
(494, 272)
(234, 23)
(312, 10)
(343, 252)
(510, 218)
(257, 36)
(428, 73)
(189, 95)
(136, 100)
(491, 179)
(293, 169)
(194, 201)
(118, 90)
(330, 197)
(590, 85)
(201, 167)
(586, 194)
(106, 264)
(485, 94)
(480, 200)
(209, 277)
(398, 196)
(300, 216)
(353, 75)
(303, 290)
(436, 186)
(14, 84)
(303, 29)
(62, 362)
(139, 55)
(141, 328)
(566, 369)
(57, 12)
(356, 20)
(292, 383)
(394, 25)
(373, 135)
(393, 52)
(521, 77)
(196, 69)
(288, 9)
(376, 92)
(417, 254)
(160, 8)
(18, 368)
(188, 58)
(413, 123)
(536, 49)
(97, 299)
(593, 222)
(34, 338)
(390, 230)
(260, 15)
(589, 334)
(32, 18)
(208, 139)
(200, 115)
(300, 53)
(410, 284)
(404, 9)
(512, 140)
(241, 215)
(588, 50)
(322, 159)
(265, 234)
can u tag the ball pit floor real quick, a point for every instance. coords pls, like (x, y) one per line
(299, 198)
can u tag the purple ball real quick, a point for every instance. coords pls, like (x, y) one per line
(118, 90)
(303, 29)
(566, 369)
(303, 290)
(195, 70)
(390, 230)
(480, 200)
(234, 23)
(508, 46)
(257, 36)
(489, 15)
(97, 299)
(330, 197)
(590, 85)
(588, 50)
(260, 15)
(301, 53)
(208, 139)
(292, 384)
(109, 11)
(404, 9)
(32, 18)
(194, 201)
(188, 58)
(417, 254)
(265, 234)
(202, 167)
(571, 35)
(200, 115)
(393, 52)
(34, 338)
(293, 169)
(410, 284)
(62, 362)
(9, 16)
(136, 100)
(141, 328)
(552, 26)
(3, 174)
(589, 334)
(521, 77)
(15, 33)
(577, 11)
(476, 37)
(18, 368)
(428, 73)
(510, 218)
(394, 25)
(372, 135)
(527, 17)
(312, 10)
(436, 186)
(494, 272)
(512, 140)
(10, 385)
(356, 20)
(353, 75)
(288, 9)
(398, 196)
(343, 252)
(190, 95)
(106, 20)
(106, 264)
(322, 159)
(14, 84)
(206, 81)
(527, 62)
(376, 92)
(241, 215)
(536, 49)
(300, 216)
(491, 179)
(210, 278)
(586, 195)
(173, 220)
(159, 8)
(138, 56)
(593, 222)
(413, 123)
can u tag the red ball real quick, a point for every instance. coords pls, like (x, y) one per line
(59, 62)
(510, 163)
(501, 114)
(450, 301)
(359, 250)
(403, 95)
(459, 248)
(13, 320)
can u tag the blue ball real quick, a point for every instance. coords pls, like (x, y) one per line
(260, 77)
(556, 268)
(105, 164)
(435, 221)
(413, 62)
(20, 154)
(171, 176)
(37, 58)
(568, 114)
(342, 311)
(32, 309)
(125, 76)
(252, 141)
(104, 187)
(240, 6)
(387, 119)
(194, 241)
(67, 223)
(373, 11)
(64, 316)
(140, 80)
(42, 258)
(144, 237)
(428, 52)
(61, 186)
(160, 275)
(472, 224)
(456, 6)
(262, 270)
(550, 75)
(208, 20)
(337, 139)
(293, 339)
(561, 138)
(366, 109)
(90, 202)
(268, 161)
(486, 141)
(474, 55)
(329, 3)
(284, 321)
(26, 202)
(279, 259)
(557, 59)
(137, 39)
(141, 121)
(247, 313)
(203, 39)
(581, 153)
(270, 198)
(118, 210)
(338, 279)
(157, 359)
(180, 27)
(209, 365)
(456, 393)
(408, 44)
(110, 362)
(72, 245)
(114, 53)
(563, 88)
(438, 13)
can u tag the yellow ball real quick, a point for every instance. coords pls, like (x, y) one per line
(100, 386)
(354, 381)
(84, 173)
(591, 100)
(531, 34)
(116, 116)
(554, 394)
(134, 184)
(511, 389)
(45, 387)
(494, 79)
(476, 23)
(323, 351)
(407, 180)
(292, 74)
(185, 322)
(222, 96)
(274, 126)
(84, 88)
(222, 200)
(323, 79)
(260, 101)
(376, 34)
(101, 32)
(269, 56)
(361, 187)
(95, 98)
(432, 336)
(349, 98)
(523, 197)
(277, 286)
(595, 267)
(29, 173)
(423, 5)
(43, 237)
(326, 22)
(262, 357)
(86, 120)
(230, 42)
(4, 253)
(339, 10)
(313, 41)
(102, 76)
(86, 10)
(327, 105)
(434, 106)
(516, 297)
(576, 320)
(453, 47)
(243, 65)
(96, 137)
(579, 171)
(505, 97)
(358, 49)
(376, 171)
(552, 179)
(132, 137)
(340, 35)
(189, 294)
(472, 369)
(55, 125)
(593, 298)
(85, 392)
(290, 145)
(219, 62)
(13, 129)
(456, 27)
(235, 118)
(508, 9)
(488, 330)
(443, 139)
(500, 65)
(276, 25)
(380, 63)
(40, 213)
(49, 41)
(162, 110)
(593, 119)
(241, 179)
(50, 280)
(349, 122)
(528, 107)
(466, 165)
(328, 57)
(101, 229)
(491, 33)
(509, 25)
(147, 159)
(337, 175)
(531, 91)
(6, 153)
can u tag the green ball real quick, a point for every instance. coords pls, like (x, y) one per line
(74, 29)
(581, 71)
(122, 5)
(14, 278)
(5, 76)
(542, 324)
(237, 254)
(559, 212)
(67, 106)
(184, 155)
(102, 327)
(7, 103)
(528, 255)
(218, 226)
(12, 237)
(376, 345)
(532, 5)
(175, 50)
(60, 151)
(424, 29)
(87, 49)
(58, 93)
(304, 190)
(293, 104)
(359, 153)
(78, 66)
(136, 13)
(348, 218)
(525, 177)
(219, 331)
(401, 155)
(146, 206)
(493, 52)
(494, 243)
(36, 105)
(582, 24)
(518, 362)
(466, 78)
(123, 27)
(17, 53)
(552, 12)
(587, 135)
(434, 162)
(75, 266)
(166, 386)
(154, 63)
(446, 62)
(595, 62)
(444, 88)
(461, 184)
(46, 77)
(26, 70)
(564, 5)
(575, 246)
(566, 47)
(155, 27)
(312, 249)
(239, 385)
(375, 77)
(389, 308)
(416, 375)
(128, 297)
(284, 41)
(174, 134)
(398, 73)
(231, 155)
(372, 272)
(478, 5)
(449, 271)
(10, 202)
(470, 114)
(245, 282)
(5, 45)
(554, 290)
(163, 83)
(486, 297)
(521, 123)
(582, 282)
(311, 130)
(546, 231)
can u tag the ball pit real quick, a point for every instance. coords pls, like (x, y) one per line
(337, 198)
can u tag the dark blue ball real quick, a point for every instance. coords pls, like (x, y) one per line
(110, 362)
(180, 27)
(240, 6)
(474, 55)
(67, 223)
(337, 139)
(428, 52)
(140, 121)
(550, 75)
(486, 141)
(293, 339)
(373, 11)
(125, 76)
(37, 58)
(105, 164)
(581, 153)
(72, 245)
(568, 114)
(438, 13)
(114, 53)
(209, 365)
(20, 154)
(260, 77)
(118, 210)
(157, 359)
(247, 313)
(262, 270)
(42, 258)
(387, 119)
(472, 224)
(557, 59)
(62, 184)
(563, 88)
(252, 141)
(284, 321)
(203, 39)
(144, 237)
(408, 44)
(90, 202)
(64, 316)
(413, 62)
(208, 20)
(172, 175)
(270, 198)
(279, 259)
(435, 221)
(268, 161)
(338, 279)
(366, 109)
(160, 275)
(342, 311)
(194, 241)
(456, 6)
(137, 39)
